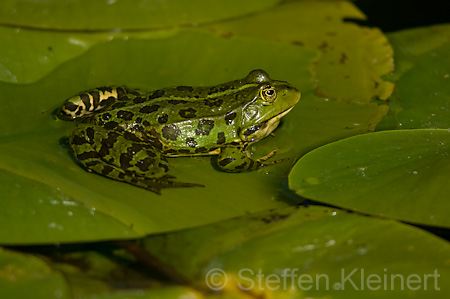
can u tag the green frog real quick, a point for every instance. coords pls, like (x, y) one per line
(127, 134)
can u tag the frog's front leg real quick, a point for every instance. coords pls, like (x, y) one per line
(122, 156)
(238, 159)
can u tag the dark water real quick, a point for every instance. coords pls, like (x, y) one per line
(393, 15)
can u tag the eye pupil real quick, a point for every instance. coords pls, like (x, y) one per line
(268, 94)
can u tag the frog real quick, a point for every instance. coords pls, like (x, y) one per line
(128, 134)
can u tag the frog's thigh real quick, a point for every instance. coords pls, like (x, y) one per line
(235, 159)
(118, 155)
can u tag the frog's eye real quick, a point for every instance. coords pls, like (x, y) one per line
(268, 94)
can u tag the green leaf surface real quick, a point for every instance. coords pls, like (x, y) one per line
(34, 152)
(27, 276)
(400, 174)
(255, 251)
(122, 14)
(422, 95)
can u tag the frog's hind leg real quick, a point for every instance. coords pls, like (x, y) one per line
(123, 157)
(87, 102)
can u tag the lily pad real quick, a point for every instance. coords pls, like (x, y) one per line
(303, 252)
(400, 174)
(121, 14)
(41, 51)
(422, 77)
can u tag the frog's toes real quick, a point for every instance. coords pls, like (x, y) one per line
(269, 155)
(263, 160)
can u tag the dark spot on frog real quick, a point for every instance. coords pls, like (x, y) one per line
(180, 151)
(121, 175)
(90, 133)
(252, 129)
(201, 150)
(164, 166)
(107, 169)
(242, 166)
(108, 143)
(138, 120)
(105, 88)
(131, 137)
(163, 118)
(187, 113)
(204, 127)
(87, 155)
(70, 106)
(86, 101)
(135, 148)
(176, 102)
(156, 94)
(118, 105)
(135, 93)
(220, 138)
(214, 102)
(149, 108)
(220, 88)
(226, 161)
(91, 163)
(124, 98)
(154, 142)
(138, 128)
(106, 116)
(171, 132)
(343, 58)
(185, 88)
(191, 142)
(125, 160)
(229, 117)
(120, 92)
(139, 100)
(144, 164)
(125, 115)
(77, 140)
(96, 98)
(146, 123)
(107, 102)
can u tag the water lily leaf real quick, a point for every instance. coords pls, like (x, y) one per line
(309, 252)
(422, 96)
(27, 276)
(400, 174)
(33, 147)
(121, 14)
(352, 59)
(43, 51)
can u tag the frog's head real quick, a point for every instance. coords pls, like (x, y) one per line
(272, 100)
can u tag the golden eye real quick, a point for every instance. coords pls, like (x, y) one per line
(269, 94)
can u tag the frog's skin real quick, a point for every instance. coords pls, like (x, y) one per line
(127, 134)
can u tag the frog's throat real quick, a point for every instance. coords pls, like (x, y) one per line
(273, 123)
